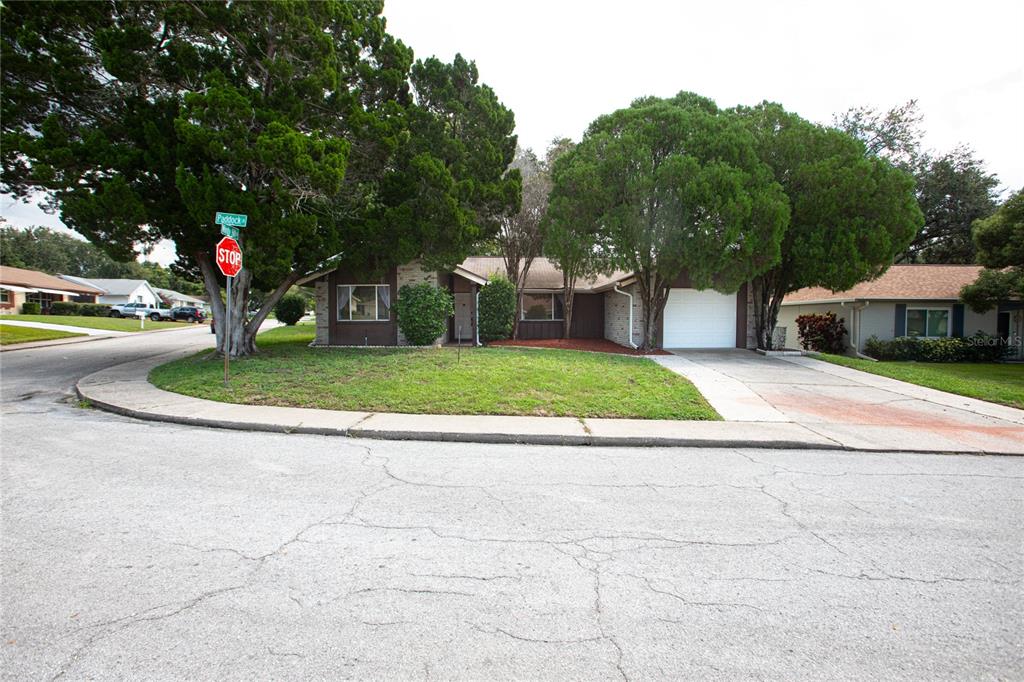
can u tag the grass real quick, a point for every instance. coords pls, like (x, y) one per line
(991, 381)
(505, 381)
(10, 334)
(117, 324)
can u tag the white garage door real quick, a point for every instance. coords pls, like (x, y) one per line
(700, 319)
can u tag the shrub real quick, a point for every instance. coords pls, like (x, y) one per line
(290, 309)
(978, 348)
(823, 333)
(28, 308)
(497, 309)
(84, 309)
(423, 311)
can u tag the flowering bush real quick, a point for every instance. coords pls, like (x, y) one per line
(823, 333)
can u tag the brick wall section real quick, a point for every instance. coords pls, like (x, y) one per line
(616, 316)
(323, 315)
(413, 273)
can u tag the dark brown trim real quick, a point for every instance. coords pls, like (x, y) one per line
(741, 317)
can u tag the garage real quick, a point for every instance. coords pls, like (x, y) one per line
(699, 319)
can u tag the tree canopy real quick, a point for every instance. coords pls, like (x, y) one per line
(850, 213)
(141, 119)
(1000, 243)
(676, 186)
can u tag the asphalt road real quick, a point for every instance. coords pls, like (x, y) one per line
(144, 550)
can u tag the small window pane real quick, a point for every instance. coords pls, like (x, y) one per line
(938, 323)
(364, 303)
(916, 323)
(537, 307)
(384, 303)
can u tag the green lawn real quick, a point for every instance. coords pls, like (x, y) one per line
(995, 382)
(435, 381)
(11, 334)
(117, 324)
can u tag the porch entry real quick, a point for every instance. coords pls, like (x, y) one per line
(463, 328)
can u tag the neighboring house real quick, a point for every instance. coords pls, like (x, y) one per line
(175, 299)
(122, 290)
(18, 286)
(353, 309)
(908, 300)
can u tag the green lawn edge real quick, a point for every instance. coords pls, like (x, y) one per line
(11, 334)
(117, 324)
(474, 381)
(994, 382)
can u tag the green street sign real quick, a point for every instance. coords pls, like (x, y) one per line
(229, 231)
(232, 219)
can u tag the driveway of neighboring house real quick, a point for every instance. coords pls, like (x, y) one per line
(844, 404)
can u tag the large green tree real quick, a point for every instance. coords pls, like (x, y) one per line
(850, 213)
(953, 189)
(1000, 243)
(677, 188)
(144, 118)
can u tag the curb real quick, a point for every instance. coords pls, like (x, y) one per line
(113, 392)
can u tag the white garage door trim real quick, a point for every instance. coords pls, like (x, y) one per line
(699, 319)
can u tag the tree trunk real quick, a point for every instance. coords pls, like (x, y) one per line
(569, 287)
(768, 293)
(237, 334)
(653, 296)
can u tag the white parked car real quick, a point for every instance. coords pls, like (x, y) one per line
(140, 310)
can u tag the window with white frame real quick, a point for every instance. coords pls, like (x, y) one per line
(364, 303)
(5, 296)
(928, 323)
(542, 307)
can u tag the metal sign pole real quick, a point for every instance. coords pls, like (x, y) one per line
(226, 330)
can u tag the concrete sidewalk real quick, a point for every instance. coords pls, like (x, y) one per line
(88, 331)
(125, 389)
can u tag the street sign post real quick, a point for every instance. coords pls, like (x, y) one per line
(229, 231)
(228, 256)
(232, 219)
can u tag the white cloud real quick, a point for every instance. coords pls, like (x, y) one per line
(560, 64)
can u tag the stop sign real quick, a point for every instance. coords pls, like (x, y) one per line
(229, 257)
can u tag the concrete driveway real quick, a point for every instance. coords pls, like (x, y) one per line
(857, 408)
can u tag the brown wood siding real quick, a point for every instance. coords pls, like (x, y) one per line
(540, 329)
(741, 317)
(380, 333)
(587, 316)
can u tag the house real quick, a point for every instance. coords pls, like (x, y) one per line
(908, 300)
(121, 290)
(175, 299)
(18, 286)
(355, 309)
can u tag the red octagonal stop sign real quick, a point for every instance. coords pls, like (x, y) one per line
(229, 257)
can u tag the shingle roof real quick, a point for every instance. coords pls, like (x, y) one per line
(913, 282)
(116, 287)
(177, 295)
(543, 273)
(36, 280)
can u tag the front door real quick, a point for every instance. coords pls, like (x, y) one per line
(463, 317)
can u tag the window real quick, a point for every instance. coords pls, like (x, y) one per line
(542, 307)
(928, 322)
(364, 303)
(138, 299)
(5, 296)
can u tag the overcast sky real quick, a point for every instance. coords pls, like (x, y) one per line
(559, 64)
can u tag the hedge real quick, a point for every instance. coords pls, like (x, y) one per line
(497, 309)
(83, 309)
(978, 348)
(28, 308)
(423, 311)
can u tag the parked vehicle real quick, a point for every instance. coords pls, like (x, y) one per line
(188, 313)
(140, 310)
